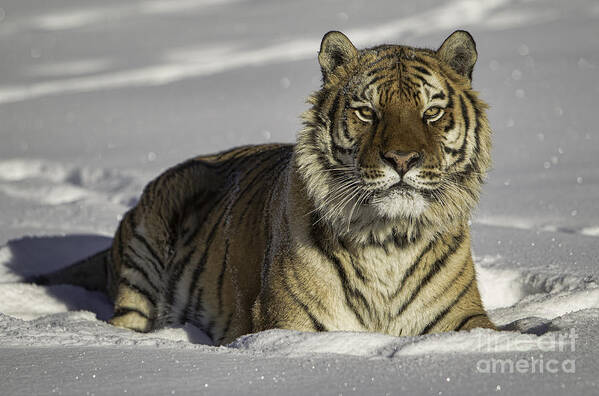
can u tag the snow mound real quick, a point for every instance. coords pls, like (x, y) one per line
(511, 295)
(500, 288)
(372, 345)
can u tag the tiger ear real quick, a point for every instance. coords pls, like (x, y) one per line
(335, 50)
(459, 51)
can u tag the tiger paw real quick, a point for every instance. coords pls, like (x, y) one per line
(131, 319)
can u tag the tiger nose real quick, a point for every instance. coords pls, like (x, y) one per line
(402, 161)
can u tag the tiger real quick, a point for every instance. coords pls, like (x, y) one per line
(361, 225)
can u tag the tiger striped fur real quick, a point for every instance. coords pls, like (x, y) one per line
(362, 225)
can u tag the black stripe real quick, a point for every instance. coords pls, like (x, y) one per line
(263, 201)
(130, 263)
(144, 260)
(220, 155)
(249, 161)
(269, 233)
(180, 266)
(316, 149)
(450, 283)
(451, 123)
(409, 85)
(423, 80)
(153, 254)
(465, 113)
(422, 70)
(412, 268)
(221, 276)
(318, 326)
(357, 269)
(349, 292)
(400, 240)
(274, 188)
(380, 59)
(332, 117)
(434, 269)
(200, 223)
(314, 300)
(344, 123)
(477, 115)
(243, 156)
(226, 328)
(282, 165)
(119, 238)
(199, 269)
(450, 93)
(462, 149)
(138, 289)
(249, 203)
(143, 240)
(190, 208)
(237, 152)
(175, 277)
(242, 152)
(429, 173)
(332, 113)
(120, 311)
(450, 151)
(413, 58)
(467, 319)
(336, 147)
(438, 95)
(206, 329)
(372, 81)
(442, 314)
(376, 70)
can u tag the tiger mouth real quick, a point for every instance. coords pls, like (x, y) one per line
(402, 186)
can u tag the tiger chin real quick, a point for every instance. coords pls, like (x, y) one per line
(362, 225)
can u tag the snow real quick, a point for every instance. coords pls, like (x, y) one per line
(98, 98)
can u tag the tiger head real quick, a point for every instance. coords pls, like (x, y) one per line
(395, 135)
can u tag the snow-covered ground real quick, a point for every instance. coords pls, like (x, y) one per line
(97, 97)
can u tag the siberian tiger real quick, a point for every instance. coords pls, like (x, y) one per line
(362, 225)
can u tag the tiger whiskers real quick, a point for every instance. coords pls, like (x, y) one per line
(359, 201)
(340, 192)
(340, 205)
(343, 195)
(339, 188)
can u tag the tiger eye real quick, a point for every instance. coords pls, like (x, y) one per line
(365, 113)
(432, 113)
